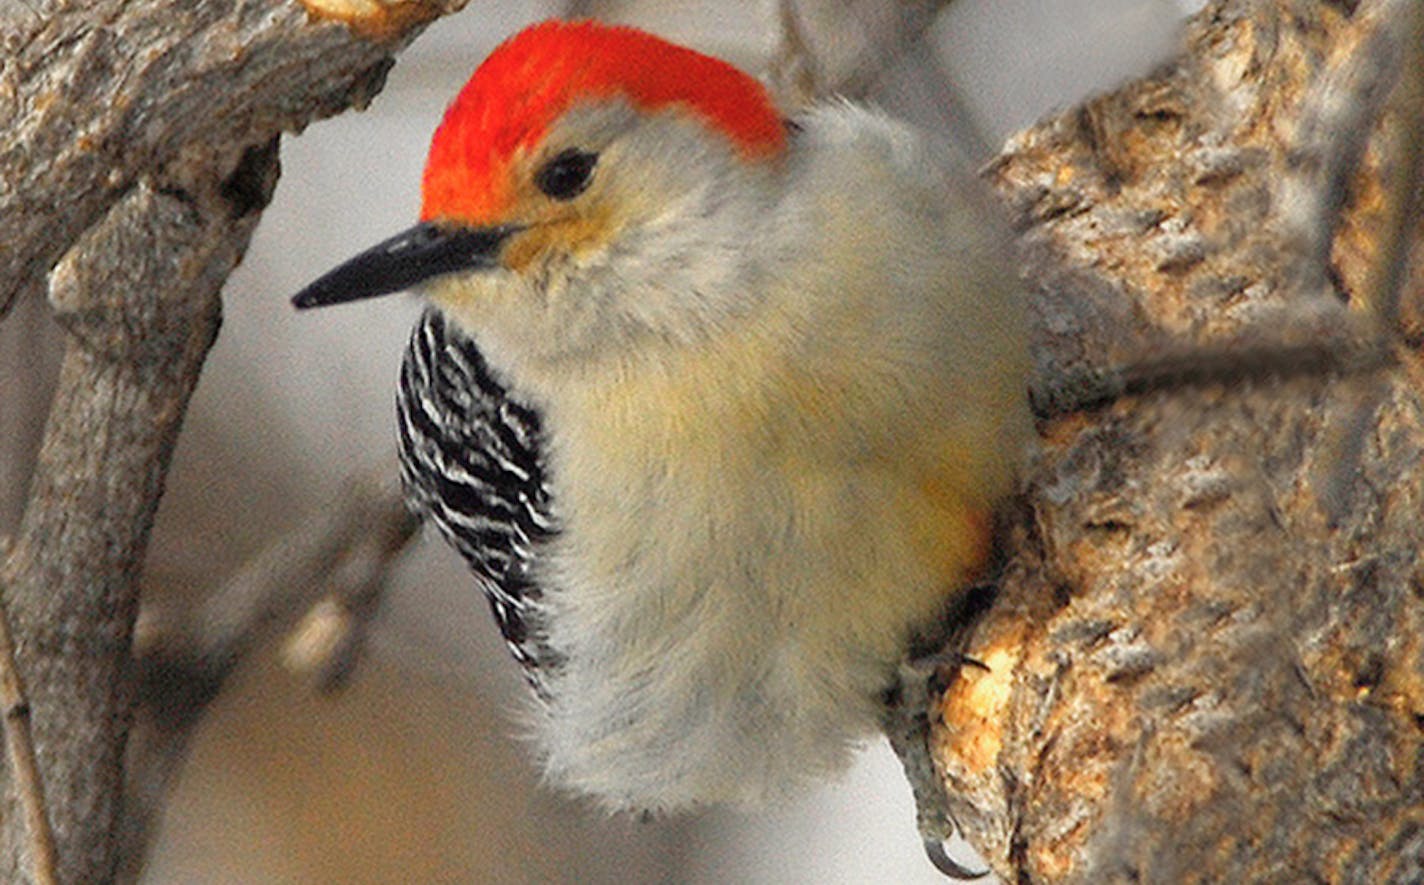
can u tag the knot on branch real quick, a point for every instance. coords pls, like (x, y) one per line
(142, 281)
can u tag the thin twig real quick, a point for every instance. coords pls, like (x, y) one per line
(363, 531)
(342, 556)
(1249, 358)
(20, 750)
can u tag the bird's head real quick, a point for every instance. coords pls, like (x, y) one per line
(590, 185)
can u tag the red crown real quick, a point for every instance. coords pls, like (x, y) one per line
(538, 74)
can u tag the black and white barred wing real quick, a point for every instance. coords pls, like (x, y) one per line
(470, 462)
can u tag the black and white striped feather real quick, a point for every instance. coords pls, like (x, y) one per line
(471, 463)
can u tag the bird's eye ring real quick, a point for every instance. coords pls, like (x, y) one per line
(567, 174)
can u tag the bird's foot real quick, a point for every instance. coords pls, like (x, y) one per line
(907, 714)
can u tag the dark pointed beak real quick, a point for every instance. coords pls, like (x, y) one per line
(425, 251)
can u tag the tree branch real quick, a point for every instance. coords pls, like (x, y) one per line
(840, 48)
(98, 93)
(1195, 669)
(20, 753)
(138, 298)
(140, 146)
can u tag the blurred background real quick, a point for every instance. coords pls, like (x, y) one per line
(415, 772)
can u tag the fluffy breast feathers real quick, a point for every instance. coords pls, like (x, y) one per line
(753, 524)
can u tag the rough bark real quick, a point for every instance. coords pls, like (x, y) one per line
(137, 151)
(96, 94)
(70, 579)
(1207, 659)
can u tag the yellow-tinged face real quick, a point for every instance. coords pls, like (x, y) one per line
(616, 228)
(560, 208)
(573, 235)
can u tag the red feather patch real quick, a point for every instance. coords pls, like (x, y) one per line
(535, 76)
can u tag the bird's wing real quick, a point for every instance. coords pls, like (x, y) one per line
(471, 462)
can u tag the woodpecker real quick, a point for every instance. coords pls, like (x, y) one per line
(717, 405)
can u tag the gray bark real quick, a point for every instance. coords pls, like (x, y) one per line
(137, 152)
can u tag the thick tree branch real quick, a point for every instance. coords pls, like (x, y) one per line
(138, 298)
(139, 145)
(1197, 669)
(96, 94)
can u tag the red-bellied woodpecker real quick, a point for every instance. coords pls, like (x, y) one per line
(716, 405)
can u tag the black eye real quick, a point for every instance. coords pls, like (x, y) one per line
(565, 176)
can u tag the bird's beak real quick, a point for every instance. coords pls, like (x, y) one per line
(427, 250)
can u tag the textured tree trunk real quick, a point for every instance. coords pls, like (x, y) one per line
(1207, 659)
